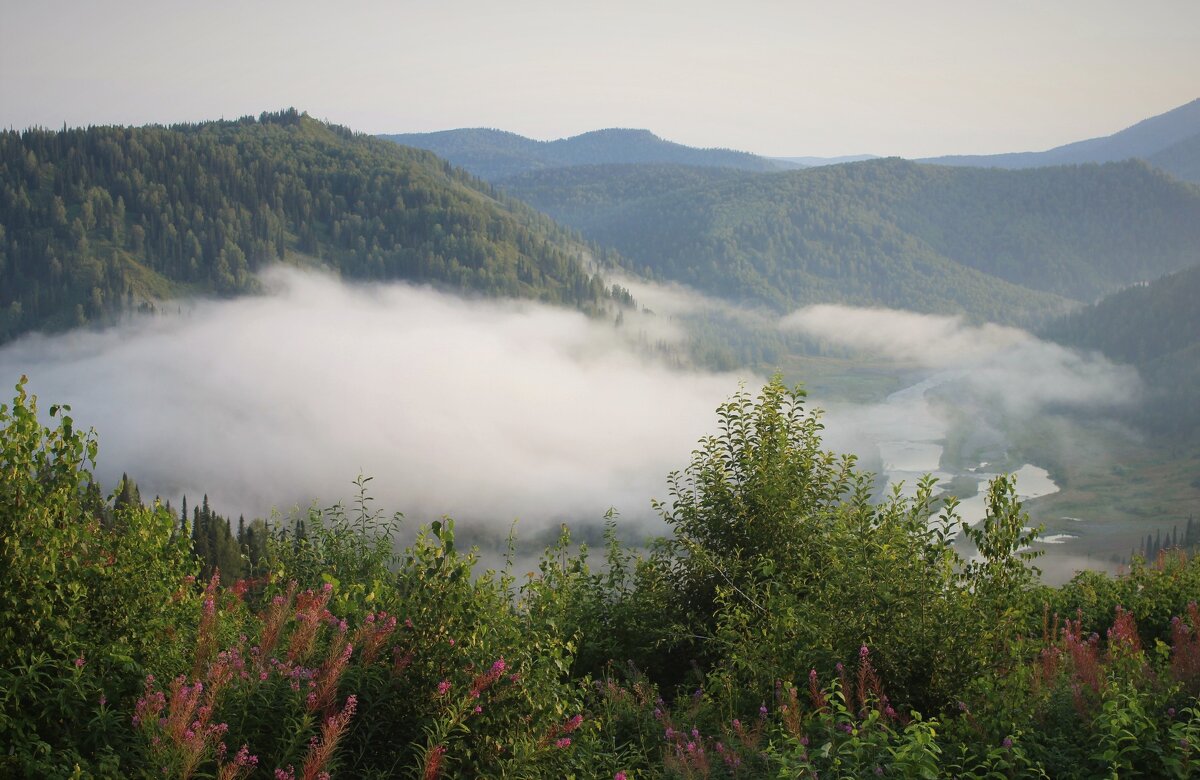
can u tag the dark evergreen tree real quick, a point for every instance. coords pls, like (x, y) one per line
(127, 494)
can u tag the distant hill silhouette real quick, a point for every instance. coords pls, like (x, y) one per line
(497, 154)
(816, 162)
(1170, 141)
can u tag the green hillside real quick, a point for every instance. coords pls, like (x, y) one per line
(1079, 231)
(584, 196)
(100, 220)
(1010, 246)
(1155, 327)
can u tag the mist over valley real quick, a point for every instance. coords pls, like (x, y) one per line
(493, 411)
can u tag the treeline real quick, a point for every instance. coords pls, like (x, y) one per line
(1157, 543)
(95, 221)
(790, 625)
(1004, 246)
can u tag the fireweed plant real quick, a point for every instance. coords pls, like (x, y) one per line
(793, 624)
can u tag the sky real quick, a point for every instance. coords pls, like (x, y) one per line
(790, 78)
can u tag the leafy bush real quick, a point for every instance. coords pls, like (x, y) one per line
(91, 598)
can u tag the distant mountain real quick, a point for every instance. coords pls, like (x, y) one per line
(1178, 129)
(96, 221)
(1009, 246)
(1155, 327)
(496, 154)
(816, 162)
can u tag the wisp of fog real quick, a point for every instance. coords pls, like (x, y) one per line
(994, 376)
(1009, 366)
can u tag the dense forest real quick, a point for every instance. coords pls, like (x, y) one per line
(101, 220)
(1155, 327)
(496, 154)
(790, 625)
(1005, 246)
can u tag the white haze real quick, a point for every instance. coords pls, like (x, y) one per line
(1009, 368)
(932, 340)
(483, 410)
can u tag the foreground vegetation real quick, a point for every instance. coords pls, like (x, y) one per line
(792, 625)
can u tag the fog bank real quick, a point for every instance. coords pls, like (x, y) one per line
(483, 410)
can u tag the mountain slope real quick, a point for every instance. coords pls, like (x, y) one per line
(583, 195)
(1078, 231)
(1181, 160)
(1144, 140)
(1155, 327)
(496, 154)
(96, 221)
(1002, 245)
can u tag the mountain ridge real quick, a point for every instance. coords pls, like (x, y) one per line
(497, 154)
(1144, 139)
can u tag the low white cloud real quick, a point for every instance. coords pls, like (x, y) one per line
(929, 339)
(483, 410)
(1005, 367)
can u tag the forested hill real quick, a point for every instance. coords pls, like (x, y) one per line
(1155, 327)
(1011, 246)
(95, 221)
(496, 154)
(585, 196)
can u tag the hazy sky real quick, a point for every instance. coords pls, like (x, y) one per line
(782, 78)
